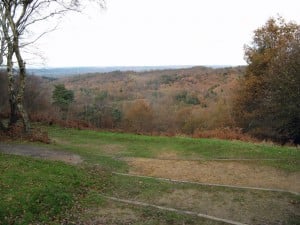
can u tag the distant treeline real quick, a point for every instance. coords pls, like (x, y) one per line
(56, 72)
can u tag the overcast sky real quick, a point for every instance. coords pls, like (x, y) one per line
(160, 32)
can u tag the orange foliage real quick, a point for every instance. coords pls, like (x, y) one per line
(138, 116)
(224, 133)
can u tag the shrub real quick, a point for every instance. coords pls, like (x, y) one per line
(138, 116)
(187, 99)
(224, 133)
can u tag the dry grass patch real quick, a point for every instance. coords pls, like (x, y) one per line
(217, 172)
(112, 149)
(168, 155)
(248, 207)
(111, 214)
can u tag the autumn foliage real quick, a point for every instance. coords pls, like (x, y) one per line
(267, 104)
(260, 101)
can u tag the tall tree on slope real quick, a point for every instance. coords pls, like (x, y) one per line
(268, 102)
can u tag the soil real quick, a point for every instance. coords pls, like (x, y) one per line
(217, 172)
(41, 153)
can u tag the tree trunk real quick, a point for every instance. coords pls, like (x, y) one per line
(13, 117)
(11, 90)
(16, 98)
(22, 81)
(2, 47)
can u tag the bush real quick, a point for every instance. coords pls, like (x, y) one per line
(224, 133)
(138, 116)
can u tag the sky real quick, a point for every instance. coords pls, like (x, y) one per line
(158, 33)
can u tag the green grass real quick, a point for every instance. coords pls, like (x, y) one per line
(45, 192)
(41, 191)
(94, 147)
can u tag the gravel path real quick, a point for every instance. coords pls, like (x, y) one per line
(40, 152)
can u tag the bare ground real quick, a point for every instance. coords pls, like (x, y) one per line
(40, 152)
(217, 172)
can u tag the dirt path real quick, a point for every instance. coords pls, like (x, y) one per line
(217, 172)
(40, 152)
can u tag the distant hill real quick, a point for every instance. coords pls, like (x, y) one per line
(70, 71)
(178, 100)
(194, 79)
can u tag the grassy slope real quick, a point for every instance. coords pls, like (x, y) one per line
(35, 190)
(106, 147)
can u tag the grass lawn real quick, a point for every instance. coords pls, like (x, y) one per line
(36, 191)
(42, 191)
(106, 147)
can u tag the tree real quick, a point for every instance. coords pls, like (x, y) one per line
(139, 116)
(62, 97)
(268, 101)
(16, 19)
(3, 96)
(11, 22)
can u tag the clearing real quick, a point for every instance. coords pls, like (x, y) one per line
(111, 178)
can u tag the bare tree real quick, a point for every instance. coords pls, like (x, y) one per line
(16, 19)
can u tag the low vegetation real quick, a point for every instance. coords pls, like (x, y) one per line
(42, 192)
(98, 145)
(38, 191)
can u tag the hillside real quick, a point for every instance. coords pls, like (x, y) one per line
(181, 100)
(199, 81)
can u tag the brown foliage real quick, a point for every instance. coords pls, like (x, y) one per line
(267, 100)
(138, 116)
(37, 96)
(225, 133)
(17, 133)
(155, 102)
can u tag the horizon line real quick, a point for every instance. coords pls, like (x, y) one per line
(138, 66)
